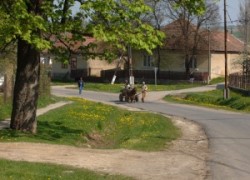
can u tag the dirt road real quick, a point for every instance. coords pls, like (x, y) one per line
(185, 159)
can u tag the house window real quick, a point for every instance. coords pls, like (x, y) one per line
(148, 61)
(73, 64)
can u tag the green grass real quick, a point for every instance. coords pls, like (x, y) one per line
(84, 123)
(88, 124)
(41, 171)
(5, 108)
(46, 100)
(174, 86)
(236, 102)
(103, 87)
(115, 88)
(217, 80)
(61, 83)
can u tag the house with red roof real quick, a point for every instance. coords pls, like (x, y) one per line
(204, 48)
(76, 58)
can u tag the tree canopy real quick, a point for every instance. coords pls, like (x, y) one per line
(37, 25)
(113, 21)
(119, 23)
(194, 6)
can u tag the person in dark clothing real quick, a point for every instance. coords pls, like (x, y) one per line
(80, 85)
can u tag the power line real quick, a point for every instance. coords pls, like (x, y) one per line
(229, 16)
(222, 22)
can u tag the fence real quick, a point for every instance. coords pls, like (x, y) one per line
(79, 73)
(149, 75)
(140, 75)
(239, 81)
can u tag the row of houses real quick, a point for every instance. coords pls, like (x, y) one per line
(208, 60)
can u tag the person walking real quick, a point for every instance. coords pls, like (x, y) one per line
(144, 89)
(80, 85)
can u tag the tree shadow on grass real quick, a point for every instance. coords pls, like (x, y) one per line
(55, 132)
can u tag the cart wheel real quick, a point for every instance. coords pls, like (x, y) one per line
(136, 98)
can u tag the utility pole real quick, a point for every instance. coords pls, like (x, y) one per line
(245, 60)
(246, 28)
(209, 55)
(226, 93)
(131, 76)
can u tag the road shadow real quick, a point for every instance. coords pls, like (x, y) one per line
(220, 86)
(4, 124)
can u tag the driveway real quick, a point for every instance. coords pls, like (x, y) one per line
(228, 132)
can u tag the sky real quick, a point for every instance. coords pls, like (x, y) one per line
(233, 9)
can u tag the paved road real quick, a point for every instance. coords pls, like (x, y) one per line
(228, 132)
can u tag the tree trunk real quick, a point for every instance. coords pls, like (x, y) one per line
(26, 88)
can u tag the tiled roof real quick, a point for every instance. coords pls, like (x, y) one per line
(68, 41)
(218, 42)
(87, 44)
(175, 39)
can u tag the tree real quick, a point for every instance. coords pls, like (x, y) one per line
(190, 24)
(244, 30)
(118, 23)
(152, 19)
(7, 69)
(164, 11)
(37, 25)
(156, 18)
(244, 17)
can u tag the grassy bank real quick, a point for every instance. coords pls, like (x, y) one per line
(87, 124)
(214, 99)
(40, 171)
(5, 108)
(115, 88)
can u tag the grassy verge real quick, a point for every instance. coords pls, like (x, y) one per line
(115, 88)
(5, 108)
(87, 124)
(214, 99)
(40, 171)
(217, 80)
